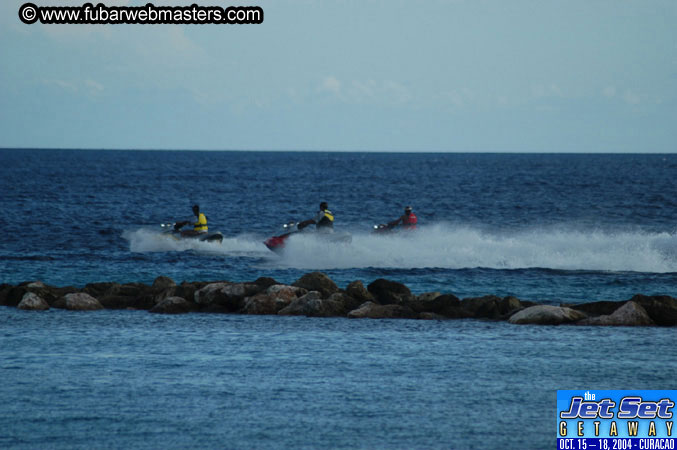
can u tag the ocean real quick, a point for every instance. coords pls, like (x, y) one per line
(551, 228)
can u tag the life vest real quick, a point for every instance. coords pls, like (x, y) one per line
(409, 221)
(201, 224)
(327, 221)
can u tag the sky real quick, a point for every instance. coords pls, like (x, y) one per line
(343, 75)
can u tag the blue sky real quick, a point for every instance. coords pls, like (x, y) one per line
(496, 75)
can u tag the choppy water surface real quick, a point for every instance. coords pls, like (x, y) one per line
(129, 379)
(541, 227)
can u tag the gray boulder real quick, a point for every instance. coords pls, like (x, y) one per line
(371, 310)
(546, 315)
(31, 302)
(317, 281)
(230, 296)
(263, 304)
(289, 292)
(630, 314)
(313, 305)
(12, 295)
(79, 302)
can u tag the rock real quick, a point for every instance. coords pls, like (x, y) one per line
(431, 316)
(184, 290)
(128, 296)
(312, 305)
(32, 302)
(371, 310)
(357, 291)
(173, 305)
(98, 290)
(289, 292)
(230, 296)
(347, 302)
(163, 282)
(4, 291)
(14, 294)
(447, 305)
(264, 304)
(597, 308)
(662, 309)
(265, 282)
(388, 292)
(428, 296)
(491, 306)
(630, 314)
(81, 302)
(317, 281)
(546, 315)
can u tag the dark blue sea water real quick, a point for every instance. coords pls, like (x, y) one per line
(549, 228)
(541, 227)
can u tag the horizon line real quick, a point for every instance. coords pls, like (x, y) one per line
(343, 151)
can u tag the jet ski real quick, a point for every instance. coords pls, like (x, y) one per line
(383, 228)
(174, 232)
(277, 243)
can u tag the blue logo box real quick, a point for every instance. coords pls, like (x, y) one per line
(616, 419)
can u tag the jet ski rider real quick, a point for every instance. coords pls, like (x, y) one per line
(408, 220)
(324, 220)
(199, 227)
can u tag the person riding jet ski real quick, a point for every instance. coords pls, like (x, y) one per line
(408, 220)
(199, 227)
(323, 220)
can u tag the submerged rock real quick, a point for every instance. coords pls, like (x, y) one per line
(32, 302)
(546, 315)
(630, 314)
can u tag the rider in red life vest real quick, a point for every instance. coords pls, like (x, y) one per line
(408, 220)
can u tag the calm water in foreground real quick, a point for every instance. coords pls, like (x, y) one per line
(129, 379)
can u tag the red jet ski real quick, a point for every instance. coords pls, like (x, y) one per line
(277, 243)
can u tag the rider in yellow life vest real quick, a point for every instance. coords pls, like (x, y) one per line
(201, 224)
(199, 227)
(324, 220)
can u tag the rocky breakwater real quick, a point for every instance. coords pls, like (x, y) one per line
(316, 295)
